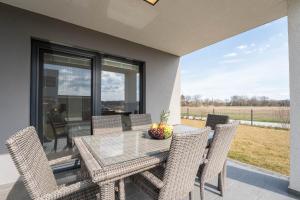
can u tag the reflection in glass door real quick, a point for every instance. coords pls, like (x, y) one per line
(66, 101)
(70, 85)
(120, 89)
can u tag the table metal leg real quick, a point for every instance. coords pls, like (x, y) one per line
(107, 191)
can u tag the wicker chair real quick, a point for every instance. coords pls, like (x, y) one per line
(215, 163)
(107, 124)
(59, 131)
(140, 121)
(213, 120)
(176, 179)
(31, 161)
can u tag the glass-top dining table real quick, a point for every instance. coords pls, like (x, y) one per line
(111, 157)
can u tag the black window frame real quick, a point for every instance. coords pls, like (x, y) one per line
(142, 83)
(39, 47)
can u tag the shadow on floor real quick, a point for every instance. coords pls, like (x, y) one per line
(17, 191)
(237, 177)
(260, 180)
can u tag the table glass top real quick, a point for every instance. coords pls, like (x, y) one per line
(114, 148)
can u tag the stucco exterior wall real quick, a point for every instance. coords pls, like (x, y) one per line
(294, 58)
(17, 28)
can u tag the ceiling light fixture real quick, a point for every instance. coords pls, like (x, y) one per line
(152, 2)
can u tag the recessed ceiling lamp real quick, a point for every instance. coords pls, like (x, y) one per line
(152, 2)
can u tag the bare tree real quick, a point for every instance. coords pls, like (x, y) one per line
(197, 100)
(235, 100)
(188, 99)
(183, 101)
(282, 115)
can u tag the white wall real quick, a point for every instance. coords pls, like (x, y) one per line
(294, 54)
(17, 28)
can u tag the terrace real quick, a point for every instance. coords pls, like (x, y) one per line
(243, 182)
(66, 61)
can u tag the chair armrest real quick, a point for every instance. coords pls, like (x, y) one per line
(59, 125)
(68, 190)
(63, 159)
(152, 179)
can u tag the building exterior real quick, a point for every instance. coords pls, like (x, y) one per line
(127, 45)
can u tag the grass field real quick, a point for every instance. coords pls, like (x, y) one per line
(263, 114)
(263, 147)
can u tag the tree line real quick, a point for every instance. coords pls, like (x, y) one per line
(236, 100)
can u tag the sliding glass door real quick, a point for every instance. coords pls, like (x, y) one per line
(70, 85)
(66, 100)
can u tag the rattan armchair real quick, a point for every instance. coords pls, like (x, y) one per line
(176, 179)
(215, 163)
(140, 121)
(31, 161)
(212, 120)
(59, 131)
(104, 125)
(107, 124)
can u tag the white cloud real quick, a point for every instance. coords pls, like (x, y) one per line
(243, 46)
(183, 71)
(112, 86)
(250, 51)
(229, 61)
(253, 48)
(257, 66)
(265, 78)
(280, 35)
(72, 81)
(233, 54)
(263, 48)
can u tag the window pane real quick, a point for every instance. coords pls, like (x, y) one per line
(119, 87)
(66, 101)
(112, 87)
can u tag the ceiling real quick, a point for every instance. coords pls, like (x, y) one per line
(174, 26)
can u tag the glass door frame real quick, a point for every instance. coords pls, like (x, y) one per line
(39, 47)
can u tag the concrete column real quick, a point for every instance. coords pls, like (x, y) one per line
(294, 58)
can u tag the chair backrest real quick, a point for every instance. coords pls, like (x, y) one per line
(140, 121)
(54, 125)
(106, 124)
(31, 161)
(185, 156)
(212, 120)
(218, 150)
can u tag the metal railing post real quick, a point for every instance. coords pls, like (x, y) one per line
(251, 117)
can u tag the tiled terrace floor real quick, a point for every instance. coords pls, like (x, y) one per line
(243, 183)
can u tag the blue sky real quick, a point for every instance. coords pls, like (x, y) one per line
(254, 63)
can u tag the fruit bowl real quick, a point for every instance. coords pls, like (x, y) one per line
(160, 131)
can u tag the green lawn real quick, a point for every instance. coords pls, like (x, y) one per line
(263, 147)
